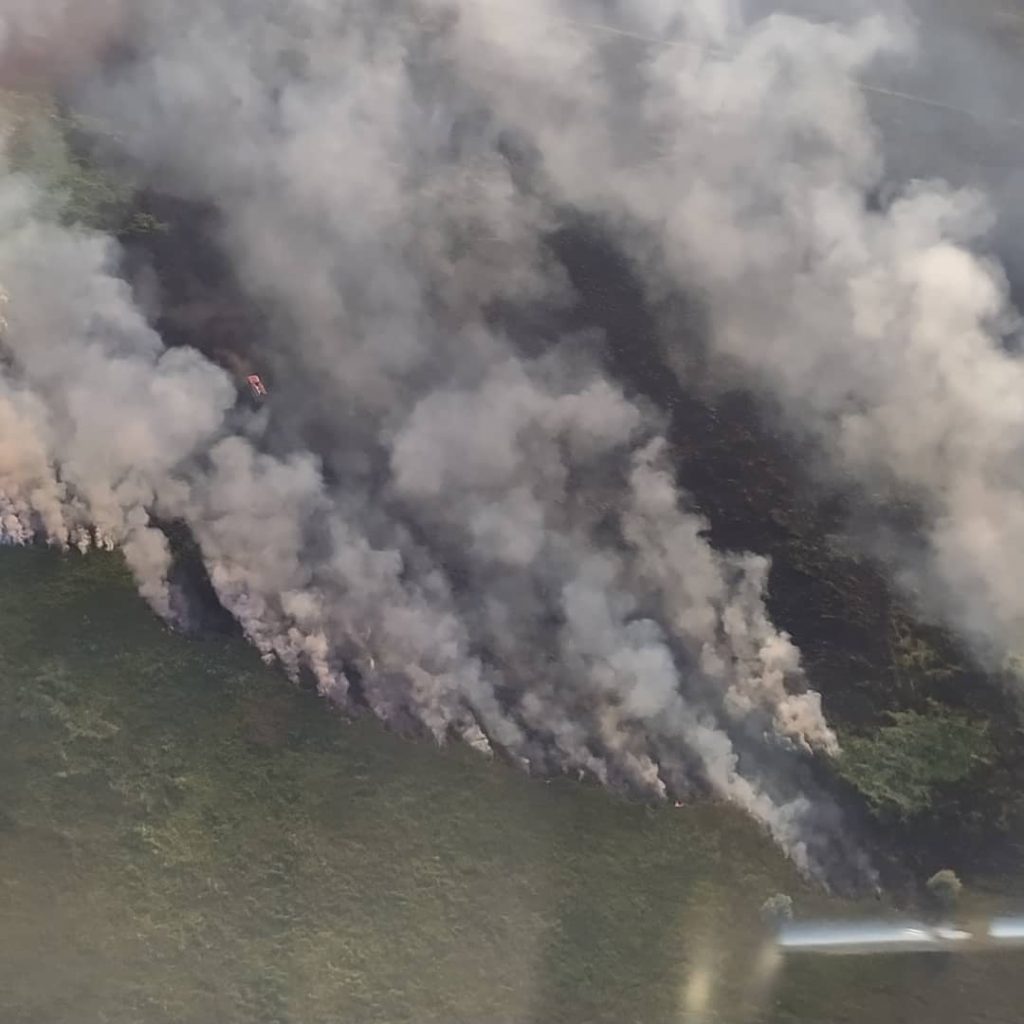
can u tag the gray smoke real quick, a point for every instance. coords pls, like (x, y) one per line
(741, 163)
(99, 412)
(40, 38)
(486, 537)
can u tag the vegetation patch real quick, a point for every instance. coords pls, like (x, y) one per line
(46, 143)
(903, 768)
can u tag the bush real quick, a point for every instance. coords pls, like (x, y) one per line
(944, 888)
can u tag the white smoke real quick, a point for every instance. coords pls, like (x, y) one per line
(714, 602)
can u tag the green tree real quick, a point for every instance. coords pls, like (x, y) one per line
(944, 888)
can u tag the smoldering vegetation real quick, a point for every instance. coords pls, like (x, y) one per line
(460, 506)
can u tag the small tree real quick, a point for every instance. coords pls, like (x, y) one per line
(944, 889)
(777, 909)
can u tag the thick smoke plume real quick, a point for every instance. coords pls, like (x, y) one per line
(550, 652)
(751, 173)
(449, 512)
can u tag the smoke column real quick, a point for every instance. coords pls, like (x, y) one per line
(482, 534)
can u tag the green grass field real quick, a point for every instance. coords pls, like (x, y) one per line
(186, 838)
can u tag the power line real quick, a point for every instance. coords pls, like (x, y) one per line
(865, 87)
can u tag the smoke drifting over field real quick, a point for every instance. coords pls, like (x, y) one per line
(461, 522)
